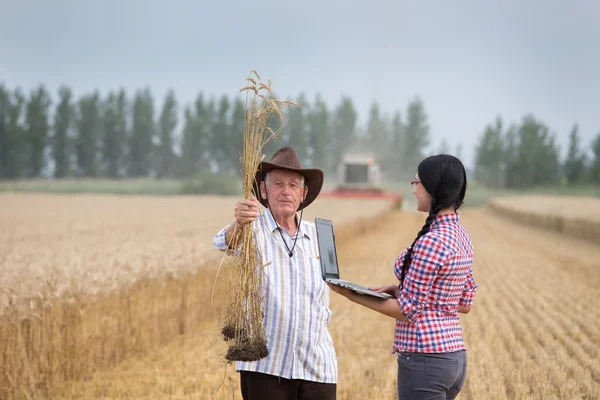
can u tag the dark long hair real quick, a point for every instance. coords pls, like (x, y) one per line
(445, 179)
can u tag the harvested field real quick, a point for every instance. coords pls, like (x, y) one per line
(572, 215)
(534, 332)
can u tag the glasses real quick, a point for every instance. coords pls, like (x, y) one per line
(414, 183)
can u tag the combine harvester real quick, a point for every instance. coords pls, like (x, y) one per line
(359, 177)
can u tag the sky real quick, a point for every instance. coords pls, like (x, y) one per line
(468, 61)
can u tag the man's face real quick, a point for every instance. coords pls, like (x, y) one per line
(285, 191)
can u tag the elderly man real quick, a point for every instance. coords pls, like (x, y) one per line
(302, 362)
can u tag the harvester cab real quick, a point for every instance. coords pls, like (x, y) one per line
(359, 176)
(358, 173)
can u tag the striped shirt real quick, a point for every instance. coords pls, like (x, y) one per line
(439, 278)
(296, 307)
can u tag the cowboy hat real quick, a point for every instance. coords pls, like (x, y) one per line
(286, 158)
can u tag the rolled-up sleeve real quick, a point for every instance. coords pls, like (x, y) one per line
(219, 241)
(220, 244)
(468, 294)
(428, 255)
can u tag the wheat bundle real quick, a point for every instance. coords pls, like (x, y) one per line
(243, 318)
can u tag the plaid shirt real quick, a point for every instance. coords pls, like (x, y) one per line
(439, 278)
(296, 308)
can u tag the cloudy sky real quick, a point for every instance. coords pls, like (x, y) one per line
(468, 60)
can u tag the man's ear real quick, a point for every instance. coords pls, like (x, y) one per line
(263, 190)
(305, 192)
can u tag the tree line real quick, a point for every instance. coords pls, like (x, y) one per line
(121, 135)
(526, 155)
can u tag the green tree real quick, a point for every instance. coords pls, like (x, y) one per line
(536, 159)
(594, 173)
(296, 129)
(167, 124)
(142, 134)
(376, 132)
(9, 137)
(392, 160)
(207, 117)
(37, 127)
(490, 156)
(196, 144)
(114, 137)
(343, 130)
(511, 175)
(190, 144)
(62, 140)
(17, 137)
(549, 173)
(88, 122)
(5, 140)
(318, 133)
(235, 143)
(574, 167)
(123, 132)
(416, 137)
(220, 136)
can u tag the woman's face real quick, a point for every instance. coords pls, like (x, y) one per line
(423, 198)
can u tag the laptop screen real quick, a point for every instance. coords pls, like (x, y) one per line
(327, 251)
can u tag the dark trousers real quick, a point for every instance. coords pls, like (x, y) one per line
(439, 376)
(257, 386)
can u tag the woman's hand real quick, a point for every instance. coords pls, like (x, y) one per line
(389, 307)
(464, 309)
(392, 290)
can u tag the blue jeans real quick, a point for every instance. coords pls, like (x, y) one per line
(437, 376)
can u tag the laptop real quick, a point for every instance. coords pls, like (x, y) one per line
(329, 263)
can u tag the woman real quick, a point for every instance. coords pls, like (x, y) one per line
(435, 284)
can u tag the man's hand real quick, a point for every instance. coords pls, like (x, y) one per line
(246, 211)
(392, 290)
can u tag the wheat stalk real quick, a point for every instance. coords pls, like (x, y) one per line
(243, 319)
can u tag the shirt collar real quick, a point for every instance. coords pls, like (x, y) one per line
(445, 219)
(272, 225)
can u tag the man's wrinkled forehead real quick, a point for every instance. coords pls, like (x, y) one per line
(284, 175)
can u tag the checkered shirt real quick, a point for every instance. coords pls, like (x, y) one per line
(439, 278)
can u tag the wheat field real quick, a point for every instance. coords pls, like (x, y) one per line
(533, 333)
(577, 216)
(99, 243)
